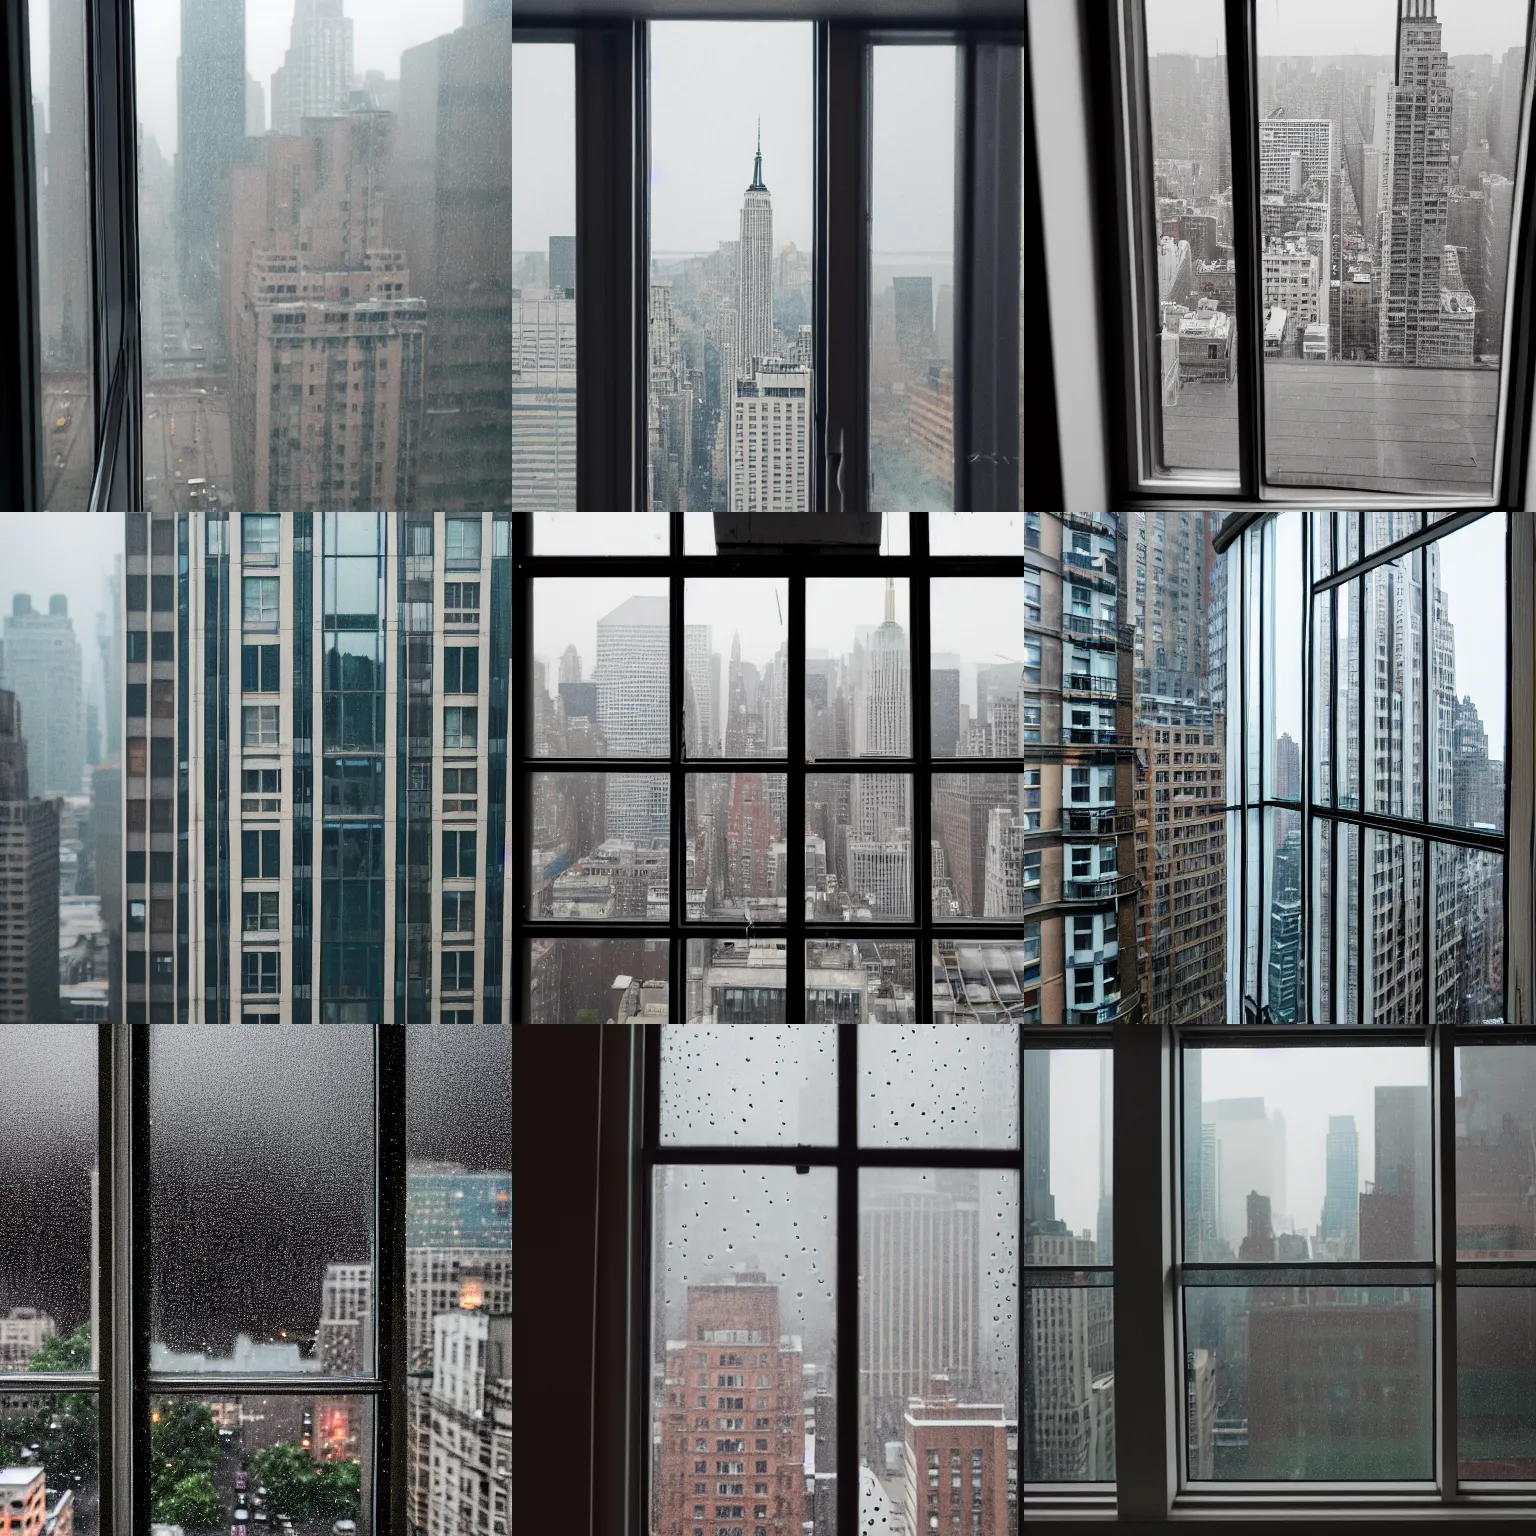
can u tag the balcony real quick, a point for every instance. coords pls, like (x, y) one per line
(1110, 1011)
(1097, 888)
(1090, 683)
(1103, 568)
(1088, 736)
(1096, 818)
(1083, 626)
(1090, 522)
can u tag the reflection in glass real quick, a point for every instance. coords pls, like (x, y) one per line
(1307, 1153)
(1393, 966)
(1284, 997)
(1348, 741)
(737, 856)
(1495, 1374)
(1313, 1383)
(772, 1085)
(740, 709)
(743, 1335)
(858, 669)
(1282, 658)
(976, 676)
(274, 1165)
(1468, 578)
(911, 323)
(1467, 932)
(860, 981)
(596, 981)
(1495, 1122)
(928, 1085)
(601, 673)
(600, 846)
(1394, 660)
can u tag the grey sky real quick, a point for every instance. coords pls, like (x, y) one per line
(756, 607)
(543, 144)
(566, 610)
(1324, 28)
(1471, 566)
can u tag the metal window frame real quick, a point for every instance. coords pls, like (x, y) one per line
(1115, 39)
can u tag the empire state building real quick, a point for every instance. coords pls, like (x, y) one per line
(754, 307)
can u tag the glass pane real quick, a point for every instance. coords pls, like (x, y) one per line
(62, 189)
(1495, 1374)
(938, 1337)
(744, 1336)
(991, 981)
(313, 1456)
(911, 281)
(737, 981)
(1284, 996)
(544, 295)
(975, 533)
(865, 981)
(731, 400)
(740, 709)
(1495, 1119)
(1468, 576)
(737, 857)
(222, 1182)
(1324, 675)
(595, 981)
(48, 1145)
(48, 1445)
(858, 671)
(600, 846)
(1394, 650)
(978, 847)
(975, 626)
(1394, 966)
(939, 1085)
(1309, 1383)
(1252, 897)
(601, 671)
(1386, 227)
(734, 1082)
(1346, 926)
(1322, 544)
(1283, 586)
(1068, 1154)
(1348, 741)
(858, 847)
(1309, 1153)
(1320, 925)
(1196, 276)
(1467, 930)
(1069, 1382)
(602, 533)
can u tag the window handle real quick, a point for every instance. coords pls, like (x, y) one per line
(835, 475)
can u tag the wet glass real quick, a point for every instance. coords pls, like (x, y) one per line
(864, 981)
(737, 981)
(939, 1085)
(601, 667)
(736, 690)
(587, 981)
(975, 625)
(763, 1085)
(48, 1446)
(600, 846)
(1495, 1120)
(737, 856)
(1495, 1375)
(858, 668)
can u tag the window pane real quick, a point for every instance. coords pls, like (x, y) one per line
(1495, 1373)
(938, 1263)
(1068, 1158)
(1321, 925)
(737, 981)
(544, 278)
(601, 673)
(990, 981)
(865, 981)
(223, 1183)
(734, 1082)
(1284, 997)
(1069, 1364)
(1495, 1119)
(858, 669)
(737, 857)
(311, 1454)
(975, 626)
(1309, 1383)
(738, 708)
(1308, 1153)
(1467, 931)
(595, 981)
(1195, 327)
(978, 828)
(602, 533)
(62, 190)
(52, 1468)
(975, 533)
(939, 1085)
(744, 1320)
(1394, 966)
(1386, 227)
(1394, 650)
(1323, 675)
(731, 401)
(1282, 659)
(1467, 594)
(911, 280)
(600, 845)
(1348, 740)
(858, 846)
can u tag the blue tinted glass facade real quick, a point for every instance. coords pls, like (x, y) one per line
(458, 1210)
(302, 969)
(216, 661)
(413, 771)
(497, 854)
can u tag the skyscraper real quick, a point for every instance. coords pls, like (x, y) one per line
(29, 883)
(40, 663)
(1338, 1229)
(65, 275)
(699, 708)
(471, 1423)
(913, 298)
(769, 447)
(562, 264)
(210, 131)
(1039, 1205)
(633, 683)
(1418, 173)
(543, 403)
(755, 294)
(315, 77)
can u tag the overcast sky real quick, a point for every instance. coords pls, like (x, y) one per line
(1324, 27)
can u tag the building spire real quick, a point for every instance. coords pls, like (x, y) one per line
(757, 166)
(890, 599)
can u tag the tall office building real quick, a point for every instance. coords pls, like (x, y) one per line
(65, 236)
(1250, 1159)
(633, 683)
(346, 810)
(1338, 1230)
(210, 133)
(499, 385)
(29, 883)
(913, 298)
(1415, 209)
(750, 1378)
(769, 447)
(471, 1423)
(754, 306)
(1395, 1209)
(40, 663)
(328, 343)
(543, 402)
(700, 708)
(562, 265)
(315, 77)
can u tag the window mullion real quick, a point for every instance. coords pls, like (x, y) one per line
(1519, 869)
(1242, 96)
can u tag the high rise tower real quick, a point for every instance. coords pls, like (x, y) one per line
(210, 129)
(755, 309)
(1417, 201)
(315, 77)
(42, 667)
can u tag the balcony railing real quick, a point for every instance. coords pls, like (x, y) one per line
(1103, 955)
(1088, 736)
(1090, 682)
(1082, 626)
(1096, 818)
(1090, 522)
(1102, 565)
(1109, 1011)
(1097, 887)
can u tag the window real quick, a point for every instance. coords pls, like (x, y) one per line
(260, 668)
(461, 602)
(460, 727)
(459, 789)
(458, 855)
(462, 543)
(459, 912)
(259, 725)
(259, 909)
(259, 854)
(259, 536)
(261, 602)
(461, 669)
(458, 974)
(259, 969)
